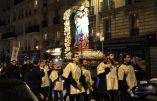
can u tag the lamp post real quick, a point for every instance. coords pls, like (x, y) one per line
(98, 38)
(102, 43)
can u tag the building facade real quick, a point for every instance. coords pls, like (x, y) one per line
(131, 26)
(37, 25)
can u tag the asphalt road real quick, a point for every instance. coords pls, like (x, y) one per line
(149, 98)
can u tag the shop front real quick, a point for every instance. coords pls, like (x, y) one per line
(144, 47)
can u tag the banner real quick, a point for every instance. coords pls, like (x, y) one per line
(14, 54)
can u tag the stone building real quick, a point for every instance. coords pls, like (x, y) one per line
(37, 25)
(131, 26)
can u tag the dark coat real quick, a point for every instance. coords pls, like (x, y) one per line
(26, 71)
(36, 75)
(102, 86)
(35, 82)
(13, 71)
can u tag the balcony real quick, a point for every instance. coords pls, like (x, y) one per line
(17, 1)
(116, 6)
(9, 35)
(34, 28)
(129, 2)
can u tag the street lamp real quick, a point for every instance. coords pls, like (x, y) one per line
(36, 47)
(102, 43)
(98, 38)
(97, 34)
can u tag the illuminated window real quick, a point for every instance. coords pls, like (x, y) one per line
(111, 3)
(35, 3)
(45, 36)
(57, 36)
(134, 24)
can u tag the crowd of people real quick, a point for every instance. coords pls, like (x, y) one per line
(115, 81)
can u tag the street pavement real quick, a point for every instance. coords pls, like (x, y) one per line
(149, 98)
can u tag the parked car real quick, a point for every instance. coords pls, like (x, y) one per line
(145, 88)
(15, 90)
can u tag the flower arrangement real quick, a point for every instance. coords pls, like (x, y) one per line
(92, 55)
(68, 56)
(67, 40)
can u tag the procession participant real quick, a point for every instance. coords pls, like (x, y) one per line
(88, 79)
(127, 78)
(35, 81)
(57, 82)
(73, 75)
(45, 81)
(112, 78)
(46, 66)
(26, 70)
(111, 58)
(51, 66)
(102, 70)
(13, 71)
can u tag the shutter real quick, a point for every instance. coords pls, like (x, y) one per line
(153, 61)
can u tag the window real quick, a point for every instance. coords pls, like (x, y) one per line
(134, 24)
(56, 20)
(44, 23)
(91, 10)
(35, 4)
(91, 7)
(118, 3)
(45, 36)
(132, 1)
(19, 43)
(17, 1)
(57, 36)
(128, 1)
(14, 17)
(109, 3)
(137, 1)
(45, 3)
(22, 14)
(107, 29)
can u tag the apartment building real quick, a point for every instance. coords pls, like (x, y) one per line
(131, 26)
(23, 28)
(37, 25)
